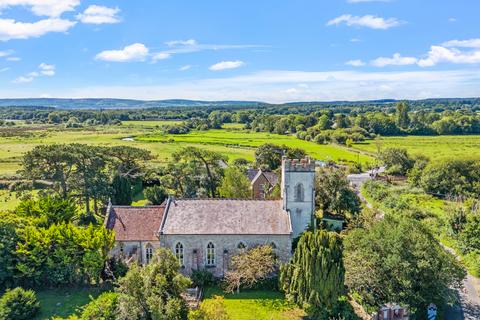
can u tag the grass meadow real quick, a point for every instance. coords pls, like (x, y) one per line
(430, 146)
(233, 142)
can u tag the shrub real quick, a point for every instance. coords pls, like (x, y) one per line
(211, 309)
(104, 307)
(202, 278)
(155, 194)
(18, 304)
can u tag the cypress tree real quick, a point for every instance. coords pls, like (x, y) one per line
(314, 278)
(122, 191)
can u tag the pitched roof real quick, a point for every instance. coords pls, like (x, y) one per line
(226, 216)
(254, 174)
(135, 223)
(251, 174)
(272, 177)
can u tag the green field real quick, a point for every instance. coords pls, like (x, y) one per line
(257, 305)
(431, 146)
(233, 143)
(149, 123)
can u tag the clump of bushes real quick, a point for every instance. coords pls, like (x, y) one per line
(18, 304)
(202, 278)
(155, 194)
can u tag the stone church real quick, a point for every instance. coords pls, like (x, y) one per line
(204, 233)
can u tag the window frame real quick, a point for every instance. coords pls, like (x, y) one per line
(148, 253)
(299, 192)
(180, 255)
(210, 258)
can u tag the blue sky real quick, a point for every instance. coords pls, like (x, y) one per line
(274, 51)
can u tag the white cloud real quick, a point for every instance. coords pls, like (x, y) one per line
(355, 40)
(11, 29)
(396, 60)
(438, 54)
(50, 8)
(133, 52)
(355, 63)
(359, 1)
(4, 69)
(14, 59)
(470, 43)
(452, 19)
(6, 53)
(223, 65)
(271, 86)
(47, 69)
(448, 52)
(291, 91)
(44, 69)
(99, 15)
(160, 56)
(23, 79)
(368, 21)
(174, 43)
(185, 67)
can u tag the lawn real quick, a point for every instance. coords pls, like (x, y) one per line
(64, 302)
(257, 305)
(430, 146)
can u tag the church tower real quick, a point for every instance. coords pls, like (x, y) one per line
(298, 192)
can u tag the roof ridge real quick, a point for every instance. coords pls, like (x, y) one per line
(225, 199)
(139, 207)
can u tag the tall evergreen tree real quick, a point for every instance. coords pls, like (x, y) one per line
(314, 278)
(122, 191)
(403, 120)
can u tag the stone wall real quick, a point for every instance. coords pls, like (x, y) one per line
(195, 247)
(137, 248)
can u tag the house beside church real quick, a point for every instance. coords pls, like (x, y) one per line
(262, 182)
(205, 233)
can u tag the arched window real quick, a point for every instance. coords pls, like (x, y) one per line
(299, 192)
(148, 253)
(210, 254)
(241, 245)
(179, 253)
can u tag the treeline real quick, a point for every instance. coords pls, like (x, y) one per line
(233, 113)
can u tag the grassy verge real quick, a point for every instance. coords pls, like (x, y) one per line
(257, 305)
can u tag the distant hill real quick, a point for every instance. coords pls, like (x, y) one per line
(137, 104)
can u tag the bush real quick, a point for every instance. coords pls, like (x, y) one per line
(104, 307)
(18, 304)
(155, 194)
(202, 278)
(211, 309)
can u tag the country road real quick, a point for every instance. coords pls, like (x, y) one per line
(468, 295)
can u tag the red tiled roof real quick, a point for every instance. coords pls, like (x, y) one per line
(135, 223)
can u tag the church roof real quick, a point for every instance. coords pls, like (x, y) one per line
(135, 223)
(226, 216)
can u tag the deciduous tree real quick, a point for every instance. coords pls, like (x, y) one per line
(249, 267)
